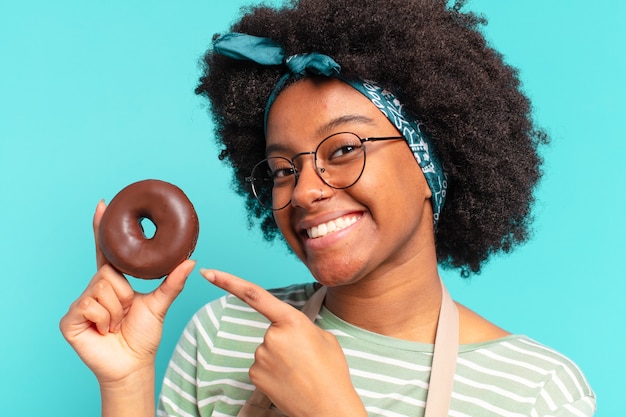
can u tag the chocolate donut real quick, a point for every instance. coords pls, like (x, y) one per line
(122, 238)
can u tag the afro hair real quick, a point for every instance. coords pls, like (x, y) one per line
(436, 60)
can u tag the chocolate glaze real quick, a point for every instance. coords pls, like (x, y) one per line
(122, 238)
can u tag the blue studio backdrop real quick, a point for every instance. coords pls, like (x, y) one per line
(96, 95)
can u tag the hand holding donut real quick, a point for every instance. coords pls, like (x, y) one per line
(299, 366)
(115, 330)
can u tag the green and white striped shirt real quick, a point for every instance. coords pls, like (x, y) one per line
(513, 376)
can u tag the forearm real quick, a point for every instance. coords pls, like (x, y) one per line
(132, 397)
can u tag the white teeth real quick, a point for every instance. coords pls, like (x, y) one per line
(332, 226)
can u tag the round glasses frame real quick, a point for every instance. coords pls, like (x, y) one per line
(263, 178)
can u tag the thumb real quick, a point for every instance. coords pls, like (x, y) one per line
(97, 218)
(164, 295)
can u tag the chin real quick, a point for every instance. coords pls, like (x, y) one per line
(334, 274)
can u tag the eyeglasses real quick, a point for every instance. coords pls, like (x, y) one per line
(339, 162)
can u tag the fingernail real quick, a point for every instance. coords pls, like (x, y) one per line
(209, 275)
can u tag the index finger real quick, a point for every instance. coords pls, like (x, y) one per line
(97, 217)
(256, 297)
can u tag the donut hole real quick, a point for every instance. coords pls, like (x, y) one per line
(148, 228)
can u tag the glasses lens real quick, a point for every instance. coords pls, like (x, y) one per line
(340, 159)
(273, 180)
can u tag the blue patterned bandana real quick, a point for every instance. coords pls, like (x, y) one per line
(264, 51)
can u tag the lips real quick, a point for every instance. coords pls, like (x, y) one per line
(332, 226)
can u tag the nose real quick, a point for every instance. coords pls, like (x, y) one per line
(309, 188)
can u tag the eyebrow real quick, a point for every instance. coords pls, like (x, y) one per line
(327, 128)
(343, 120)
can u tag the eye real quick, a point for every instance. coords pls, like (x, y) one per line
(343, 151)
(280, 170)
(340, 148)
(282, 173)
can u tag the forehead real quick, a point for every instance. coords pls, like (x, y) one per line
(313, 108)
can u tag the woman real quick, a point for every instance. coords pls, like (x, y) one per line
(380, 140)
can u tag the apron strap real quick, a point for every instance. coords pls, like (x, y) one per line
(259, 405)
(445, 353)
(314, 304)
(441, 374)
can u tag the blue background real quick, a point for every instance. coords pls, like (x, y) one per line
(96, 95)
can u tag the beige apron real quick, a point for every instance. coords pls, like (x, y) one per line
(441, 375)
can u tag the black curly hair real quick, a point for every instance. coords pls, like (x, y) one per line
(435, 59)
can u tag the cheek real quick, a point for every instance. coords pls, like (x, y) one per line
(282, 219)
(397, 178)
(413, 179)
(402, 196)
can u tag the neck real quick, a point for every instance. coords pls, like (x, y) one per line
(401, 302)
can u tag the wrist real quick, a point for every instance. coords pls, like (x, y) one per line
(132, 395)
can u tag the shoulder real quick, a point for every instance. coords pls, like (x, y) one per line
(230, 307)
(229, 324)
(480, 335)
(541, 376)
(564, 385)
(474, 328)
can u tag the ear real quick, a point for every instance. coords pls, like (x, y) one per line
(428, 192)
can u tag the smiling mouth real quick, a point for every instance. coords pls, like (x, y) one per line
(332, 226)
